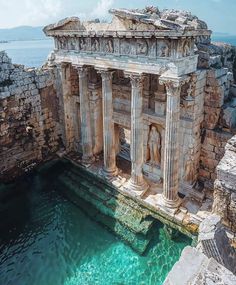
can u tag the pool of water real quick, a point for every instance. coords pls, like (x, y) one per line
(47, 240)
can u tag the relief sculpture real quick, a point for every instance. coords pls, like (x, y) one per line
(63, 43)
(163, 49)
(142, 48)
(109, 47)
(95, 45)
(72, 43)
(82, 44)
(186, 48)
(154, 143)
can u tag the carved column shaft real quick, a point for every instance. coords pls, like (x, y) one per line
(67, 106)
(109, 168)
(171, 148)
(86, 132)
(137, 181)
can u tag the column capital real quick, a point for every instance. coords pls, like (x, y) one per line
(63, 64)
(82, 70)
(173, 84)
(106, 74)
(136, 79)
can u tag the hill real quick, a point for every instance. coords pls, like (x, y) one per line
(22, 33)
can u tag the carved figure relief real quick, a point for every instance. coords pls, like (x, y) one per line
(72, 43)
(154, 143)
(186, 48)
(82, 44)
(163, 49)
(109, 47)
(63, 43)
(95, 45)
(125, 47)
(142, 47)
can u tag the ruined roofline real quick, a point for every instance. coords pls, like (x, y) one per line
(168, 19)
(123, 33)
(167, 22)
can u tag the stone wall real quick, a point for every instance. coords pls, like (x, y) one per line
(219, 108)
(225, 186)
(29, 120)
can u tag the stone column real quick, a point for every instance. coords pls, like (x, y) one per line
(68, 133)
(109, 168)
(137, 182)
(171, 146)
(86, 132)
(96, 111)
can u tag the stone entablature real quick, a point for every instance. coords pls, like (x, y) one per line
(146, 44)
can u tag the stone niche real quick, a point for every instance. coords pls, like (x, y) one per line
(155, 96)
(154, 140)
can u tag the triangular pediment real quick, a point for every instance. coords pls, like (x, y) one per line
(67, 24)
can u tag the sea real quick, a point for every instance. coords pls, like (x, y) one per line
(32, 53)
(35, 52)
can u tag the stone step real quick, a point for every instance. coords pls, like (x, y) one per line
(108, 204)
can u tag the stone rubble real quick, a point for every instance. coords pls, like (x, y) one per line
(195, 268)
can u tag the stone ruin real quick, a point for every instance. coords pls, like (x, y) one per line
(148, 88)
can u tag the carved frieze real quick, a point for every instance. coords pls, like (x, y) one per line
(125, 47)
(153, 48)
(72, 43)
(109, 48)
(142, 47)
(63, 43)
(163, 48)
(83, 45)
(95, 46)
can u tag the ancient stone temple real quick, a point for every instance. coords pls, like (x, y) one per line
(141, 94)
(144, 107)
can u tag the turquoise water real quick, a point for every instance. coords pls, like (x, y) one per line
(29, 53)
(47, 240)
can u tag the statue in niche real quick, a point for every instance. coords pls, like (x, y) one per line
(95, 45)
(190, 168)
(109, 47)
(82, 44)
(142, 48)
(154, 143)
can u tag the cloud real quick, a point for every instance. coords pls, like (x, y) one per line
(42, 12)
(101, 10)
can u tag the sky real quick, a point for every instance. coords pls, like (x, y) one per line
(219, 14)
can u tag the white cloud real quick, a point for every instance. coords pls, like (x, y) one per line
(102, 8)
(42, 12)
